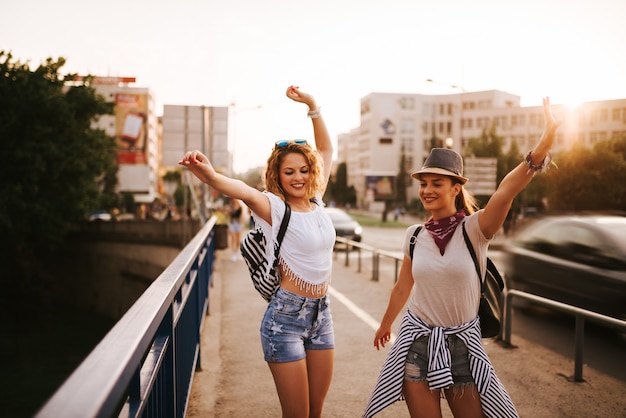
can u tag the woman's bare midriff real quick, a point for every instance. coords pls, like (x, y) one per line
(291, 286)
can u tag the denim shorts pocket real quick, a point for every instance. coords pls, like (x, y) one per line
(290, 308)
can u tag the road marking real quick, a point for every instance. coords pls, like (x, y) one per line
(360, 313)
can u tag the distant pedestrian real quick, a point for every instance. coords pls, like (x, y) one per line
(438, 351)
(297, 329)
(234, 227)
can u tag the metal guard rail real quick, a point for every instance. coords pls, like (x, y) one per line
(579, 313)
(144, 366)
(376, 254)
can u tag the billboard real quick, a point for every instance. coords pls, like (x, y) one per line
(131, 114)
(380, 187)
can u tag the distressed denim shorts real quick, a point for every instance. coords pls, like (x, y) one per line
(416, 365)
(293, 324)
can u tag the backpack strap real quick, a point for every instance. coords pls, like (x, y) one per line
(282, 230)
(413, 240)
(470, 247)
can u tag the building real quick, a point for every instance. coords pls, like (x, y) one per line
(134, 125)
(395, 123)
(203, 128)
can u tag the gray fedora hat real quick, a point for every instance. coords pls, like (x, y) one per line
(443, 161)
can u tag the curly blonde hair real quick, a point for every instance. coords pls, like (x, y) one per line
(316, 182)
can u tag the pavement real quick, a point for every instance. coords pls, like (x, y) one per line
(234, 380)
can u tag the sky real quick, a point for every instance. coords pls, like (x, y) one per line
(245, 53)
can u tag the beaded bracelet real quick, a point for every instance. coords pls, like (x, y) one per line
(314, 114)
(541, 167)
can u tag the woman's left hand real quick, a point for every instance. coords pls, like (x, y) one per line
(551, 124)
(294, 93)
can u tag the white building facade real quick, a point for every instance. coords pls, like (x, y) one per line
(135, 126)
(393, 123)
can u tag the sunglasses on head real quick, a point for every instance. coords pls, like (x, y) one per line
(286, 142)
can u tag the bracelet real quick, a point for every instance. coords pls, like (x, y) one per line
(541, 167)
(314, 114)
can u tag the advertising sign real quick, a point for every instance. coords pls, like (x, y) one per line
(131, 112)
(382, 187)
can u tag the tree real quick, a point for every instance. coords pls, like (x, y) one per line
(54, 166)
(402, 179)
(590, 179)
(339, 187)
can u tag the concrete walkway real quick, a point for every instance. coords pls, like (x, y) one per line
(236, 382)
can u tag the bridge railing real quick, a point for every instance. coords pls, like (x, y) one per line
(145, 365)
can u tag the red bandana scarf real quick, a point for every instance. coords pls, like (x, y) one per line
(442, 229)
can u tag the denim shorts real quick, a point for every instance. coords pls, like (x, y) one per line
(293, 324)
(416, 365)
(234, 226)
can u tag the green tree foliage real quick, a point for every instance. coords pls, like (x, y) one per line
(54, 166)
(402, 179)
(489, 145)
(590, 180)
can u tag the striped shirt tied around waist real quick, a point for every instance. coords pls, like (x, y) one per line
(495, 400)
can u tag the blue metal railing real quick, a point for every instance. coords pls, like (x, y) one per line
(144, 366)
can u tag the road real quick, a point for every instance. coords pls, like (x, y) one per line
(604, 349)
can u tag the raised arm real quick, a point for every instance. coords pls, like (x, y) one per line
(322, 140)
(202, 168)
(494, 213)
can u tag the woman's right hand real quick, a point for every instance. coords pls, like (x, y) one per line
(199, 165)
(382, 337)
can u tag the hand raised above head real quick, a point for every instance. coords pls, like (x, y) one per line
(294, 93)
(551, 123)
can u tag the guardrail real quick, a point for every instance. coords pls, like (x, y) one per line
(578, 313)
(144, 366)
(376, 255)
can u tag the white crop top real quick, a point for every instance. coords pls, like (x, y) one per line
(446, 290)
(307, 249)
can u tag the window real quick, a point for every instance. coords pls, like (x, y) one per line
(385, 141)
(406, 103)
(603, 115)
(407, 143)
(407, 126)
(617, 114)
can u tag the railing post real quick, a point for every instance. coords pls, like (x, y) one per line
(578, 355)
(375, 261)
(508, 309)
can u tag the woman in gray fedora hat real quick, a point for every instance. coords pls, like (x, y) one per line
(438, 351)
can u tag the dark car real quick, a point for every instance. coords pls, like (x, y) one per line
(577, 260)
(345, 226)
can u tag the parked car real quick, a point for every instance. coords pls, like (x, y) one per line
(344, 224)
(100, 215)
(577, 260)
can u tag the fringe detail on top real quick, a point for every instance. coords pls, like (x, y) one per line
(302, 283)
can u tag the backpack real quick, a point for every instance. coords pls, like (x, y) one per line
(490, 307)
(253, 251)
